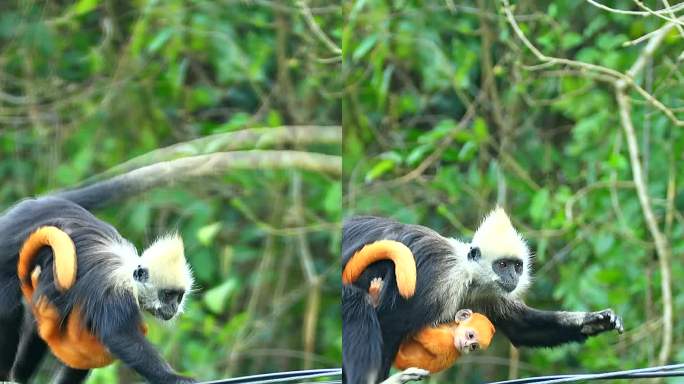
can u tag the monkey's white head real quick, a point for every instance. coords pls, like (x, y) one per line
(502, 254)
(163, 277)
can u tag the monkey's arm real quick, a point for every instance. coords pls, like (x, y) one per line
(526, 326)
(129, 345)
(119, 329)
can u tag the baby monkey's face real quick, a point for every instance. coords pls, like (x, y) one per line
(474, 332)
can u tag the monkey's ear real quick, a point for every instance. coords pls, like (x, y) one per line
(463, 314)
(141, 274)
(474, 254)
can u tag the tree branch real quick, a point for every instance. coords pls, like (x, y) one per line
(170, 172)
(661, 242)
(612, 75)
(252, 138)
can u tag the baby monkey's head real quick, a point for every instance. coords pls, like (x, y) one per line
(474, 331)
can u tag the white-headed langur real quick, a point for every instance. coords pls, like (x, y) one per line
(427, 278)
(84, 288)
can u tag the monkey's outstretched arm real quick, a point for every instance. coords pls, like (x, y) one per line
(525, 326)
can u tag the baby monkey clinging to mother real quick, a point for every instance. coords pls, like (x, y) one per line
(436, 348)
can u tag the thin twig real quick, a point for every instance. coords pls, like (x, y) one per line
(661, 243)
(316, 29)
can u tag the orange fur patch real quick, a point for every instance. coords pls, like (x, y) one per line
(74, 345)
(64, 256)
(401, 255)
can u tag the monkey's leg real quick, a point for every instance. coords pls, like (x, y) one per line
(362, 338)
(525, 326)
(68, 375)
(30, 353)
(11, 313)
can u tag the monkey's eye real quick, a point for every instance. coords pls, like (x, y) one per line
(518, 266)
(470, 335)
(503, 264)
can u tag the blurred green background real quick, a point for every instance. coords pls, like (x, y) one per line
(447, 113)
(87, 85)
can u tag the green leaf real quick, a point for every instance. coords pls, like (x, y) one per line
(480, 129)
(379, 169)
(418, 153)
(365, 46)
(159, 40)
(468, 151)
(206, 234)
(443, 128)
(216, 298)
(83, 7)
(571, 40)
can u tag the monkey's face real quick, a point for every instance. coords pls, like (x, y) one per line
(162, 303)
(164, 278)
(168, 302)
(508, 271)
(474, 331)
(502, 255)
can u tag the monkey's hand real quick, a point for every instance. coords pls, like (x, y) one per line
(601, 321)
(408, 374)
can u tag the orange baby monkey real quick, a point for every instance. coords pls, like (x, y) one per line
(437, 348)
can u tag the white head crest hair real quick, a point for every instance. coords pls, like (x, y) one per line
(496, 237)
(165, 261)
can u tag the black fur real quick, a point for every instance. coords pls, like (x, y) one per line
(397, 317)
(111, 314)
(105, 192)
(360, 328)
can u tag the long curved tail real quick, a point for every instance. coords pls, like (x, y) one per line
(107, 191)
(400, 254)
(64, 259)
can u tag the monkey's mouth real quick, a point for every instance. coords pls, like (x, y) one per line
(508, 287)
(164, 315)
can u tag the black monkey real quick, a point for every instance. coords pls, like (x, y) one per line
(113, 284)
(489, 275)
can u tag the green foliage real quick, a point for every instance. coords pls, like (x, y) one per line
(88, 85)
(450, 114)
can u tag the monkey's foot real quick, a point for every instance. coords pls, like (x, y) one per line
(375, 286)
(374, 291)
(601, 321)
(408, 374)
